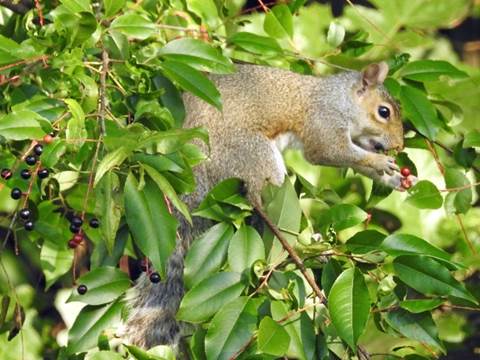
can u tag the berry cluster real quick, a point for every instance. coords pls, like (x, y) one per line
(76, 223)
(406, 182)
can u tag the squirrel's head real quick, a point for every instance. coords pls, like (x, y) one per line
(379, 124)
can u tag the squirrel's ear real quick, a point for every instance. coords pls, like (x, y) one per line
(374, 74)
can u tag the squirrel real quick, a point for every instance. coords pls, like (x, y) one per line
(345, 120)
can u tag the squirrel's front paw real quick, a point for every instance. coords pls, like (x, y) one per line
(385, 164)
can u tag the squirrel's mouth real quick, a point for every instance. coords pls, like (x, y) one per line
(370, 145)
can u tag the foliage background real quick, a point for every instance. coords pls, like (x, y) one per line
(99, 75)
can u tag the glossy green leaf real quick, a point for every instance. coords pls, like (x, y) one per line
(168, 190)
(330, 273)
(152, 226)
(104, 285)
(458, 202)
(192, 80)
(53, 153)
(419, 327)
(197, 54)
(430, 70)
(111, 160)
(420, 305)
(272, 338)
(404, 244)
(207, 297)
(111, 7)
(134, 25)
(76, 6)
(429, 277)
(424, 195)
(365, 241)
(207, 254)
(349, 305)
(55, 261)
(343, 216)
(90, 323)
(420, 111)
(472, 139)
(206, 10)
(21, 125)
(284, 211)
(231, 328)
(106, 355)
(278, 22)
(256, 44)
(299, 328)
(245, 248)
(108, 205)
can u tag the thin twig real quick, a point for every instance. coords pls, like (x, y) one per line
(296, 259)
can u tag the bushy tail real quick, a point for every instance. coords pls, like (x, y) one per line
(153, 306)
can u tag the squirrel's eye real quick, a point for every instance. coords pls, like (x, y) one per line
(384, 112)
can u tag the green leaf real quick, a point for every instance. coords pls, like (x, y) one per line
(104, 285)
(472, 139)
(458, 202)
(330, 273)
(419, 327)
(152, 226)
(349, 305)
(113, 6)
(108, 205)
(90, 323)
(197, 54)
(420, 111)
(55, 261)
(169, 191)
(158, 161)
(336, 34)
(404, 244)
(343, 216)
(284, 211)
(231, 328)
(134, 26)
(52, 153)
(256, 44)
(76, 6)
(424, 195)
(420, 305)
(106, 355)
(365, 241)
(245, 248)
(207, 254)
(21, 125)
(206, 10)
(429, 277)
(430, 70)
(272, 338)
(159, 352)
(278, 22)
(207, 297)
(9, 51)
(192, 80)
(76, 132)
(300, 329)
(111, 160)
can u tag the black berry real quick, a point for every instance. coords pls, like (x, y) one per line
(25, 214)
(43, 173)
(74, 229)
(16, 193)
(38, 149)
(6, 174)
(31, 160)
(25, 174)
(82, 289)
(77, 221)
(154, 277)
(94, 223)
(28, 225)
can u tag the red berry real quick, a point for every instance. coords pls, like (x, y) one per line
(406, 183)
(48, 139)
(6, 174)
(405, 172)
(72, 244)
(78, 238)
